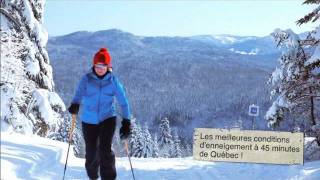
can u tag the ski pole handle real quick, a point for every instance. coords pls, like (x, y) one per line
(72, 126)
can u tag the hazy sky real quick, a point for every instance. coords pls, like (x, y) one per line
(177, 17)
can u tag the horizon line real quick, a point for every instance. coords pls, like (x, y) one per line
(116, 29)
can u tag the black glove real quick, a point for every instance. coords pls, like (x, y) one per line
(74, 108)
(125, 129)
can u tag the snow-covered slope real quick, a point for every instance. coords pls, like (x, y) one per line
(33, 157)
(29, 103)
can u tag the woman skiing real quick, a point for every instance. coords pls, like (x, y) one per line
(95, 94)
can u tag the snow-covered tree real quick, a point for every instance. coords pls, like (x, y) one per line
(176, 146)
(313, 64)
(313, 38)
(293, 84)
(312, 16)
(165, 132)
(155, 152)
(147, 142)
(29, 103)
(79, 144)
(296, 83)
(288, 79)
(63, 135)
(188, 150)
(165, 138)
(136, 138)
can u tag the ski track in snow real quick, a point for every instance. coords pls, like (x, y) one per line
(24, 157)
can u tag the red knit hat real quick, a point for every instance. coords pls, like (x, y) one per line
(102, 56)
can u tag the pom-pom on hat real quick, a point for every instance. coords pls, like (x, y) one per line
(102, 56)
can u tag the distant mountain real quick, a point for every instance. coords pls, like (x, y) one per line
(123, 42)
(195, 81)
(250, 45)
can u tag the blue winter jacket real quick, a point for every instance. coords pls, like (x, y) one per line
(96, 98)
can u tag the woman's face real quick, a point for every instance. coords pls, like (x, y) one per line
(100, 69)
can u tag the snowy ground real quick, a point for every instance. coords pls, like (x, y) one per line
(25, 157)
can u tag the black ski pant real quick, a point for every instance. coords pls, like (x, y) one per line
(98, 140)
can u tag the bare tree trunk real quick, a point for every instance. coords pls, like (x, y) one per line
(312, 116)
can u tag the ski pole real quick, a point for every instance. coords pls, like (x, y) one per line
(127, 150)
(70, 139)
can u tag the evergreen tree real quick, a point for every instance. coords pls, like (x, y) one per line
(136, 140)
(30, 104)
(155, 152)
(79, 144)
(297, 81)
(313, 64)
(313, 16)
(165, 139)
(313, 38)
(165, 132)
(176, 146)
(147, 142)
(63, 135)
(287, 80)
(188, 150)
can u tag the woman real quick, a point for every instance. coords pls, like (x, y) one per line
(95, 93)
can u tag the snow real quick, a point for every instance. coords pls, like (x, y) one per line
(291, 66)
(308, 139)
(226, 39)
(271, 113)
(44, 101)
(293, 39)
(314, 58)
(28, 14)
(316, 32)
(276, 76)
(40, 32)
(288, 39)
(43, 104)
(275, 109)
(252, 52)
(32, 157)
(6, 95)
(55, 100)
(24, 68)
(32, 66)
(10, 110)
(230, 39)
